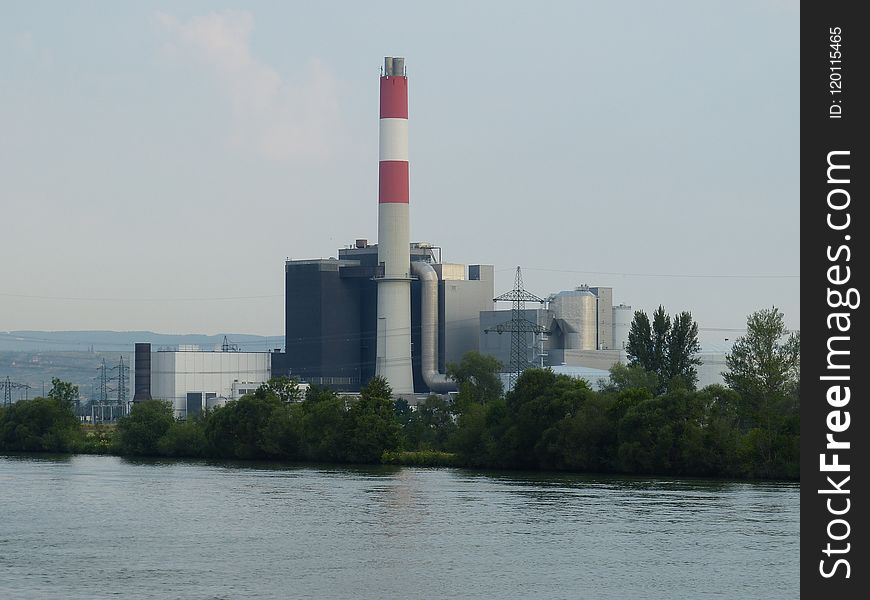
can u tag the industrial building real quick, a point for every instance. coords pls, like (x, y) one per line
(332, 323)
(193, 379)
(392, 308)
(583, 329)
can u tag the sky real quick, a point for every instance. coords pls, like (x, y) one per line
(159, 161)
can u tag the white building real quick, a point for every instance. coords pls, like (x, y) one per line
(193, 379)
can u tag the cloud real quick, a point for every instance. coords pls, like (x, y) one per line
(276, 118)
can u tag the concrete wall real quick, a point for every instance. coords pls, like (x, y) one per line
(176, 374)
(460, 302)
(589, 359)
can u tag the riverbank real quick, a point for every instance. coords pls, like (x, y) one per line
(548, 423)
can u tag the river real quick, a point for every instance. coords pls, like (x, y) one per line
(100, 526)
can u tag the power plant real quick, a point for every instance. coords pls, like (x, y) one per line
(393, 309)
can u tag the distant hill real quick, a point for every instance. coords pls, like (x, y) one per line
(122, 341)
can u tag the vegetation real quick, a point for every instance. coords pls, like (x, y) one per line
(39, 425)
(642, 421)
(764, 371)
(667, 348)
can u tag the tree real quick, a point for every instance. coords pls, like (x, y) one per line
(372, 427)
(764, 365)
(477, 377)
(764, 369)
(141, 430)
(284, 388)
(240, 428)
(323, 418)
(624, 377)
(63, 391)
(39, 425)
(430, 426)
(666, 348)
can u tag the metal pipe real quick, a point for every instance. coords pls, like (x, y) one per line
(435, 381)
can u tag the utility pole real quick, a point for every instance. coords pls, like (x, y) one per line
(518, 326)
(8, 386)
(103, 381)
(122, 379)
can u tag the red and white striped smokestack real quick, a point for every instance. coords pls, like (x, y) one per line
(394, 237)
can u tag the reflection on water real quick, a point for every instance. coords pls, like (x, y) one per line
(88, 526)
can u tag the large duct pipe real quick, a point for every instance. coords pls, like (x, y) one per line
(436, 382)
(393, 352)
(142, 371)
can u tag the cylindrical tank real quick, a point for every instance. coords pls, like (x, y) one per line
(576, 312)
(587, 315)
(622, 317)
(142, 373)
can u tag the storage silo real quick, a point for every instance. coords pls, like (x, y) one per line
(622, 317)
(575, 312)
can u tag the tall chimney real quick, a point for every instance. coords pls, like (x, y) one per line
(394, 238)
(142, 371)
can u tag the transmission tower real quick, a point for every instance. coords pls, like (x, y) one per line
(518, 326)
(122, 378)
(103, 381)
(8, 386)
(228, 346)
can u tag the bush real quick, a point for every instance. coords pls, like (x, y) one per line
(183, 439)
(422, 458)
(141, 430)
(39, 425)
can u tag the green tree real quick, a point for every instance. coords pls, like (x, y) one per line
(39, 425)
(764, 369)
(239, 428)
(431, 425)
(63, 391)
(184, 438)
(539, 400)
(372, 427)
(285, 389)
(141, 430)
(322, 430)
(625, 377)
(663, 434)
(477, 377)
(667, 348)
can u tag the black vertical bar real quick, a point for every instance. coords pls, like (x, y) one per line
(835, 168)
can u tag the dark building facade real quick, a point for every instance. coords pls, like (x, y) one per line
(330, 317)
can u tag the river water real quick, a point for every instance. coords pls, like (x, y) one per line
(97, 526)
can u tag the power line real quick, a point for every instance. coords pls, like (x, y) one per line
(518, 326)
(8, 386)
(118, 299)
(666, 275)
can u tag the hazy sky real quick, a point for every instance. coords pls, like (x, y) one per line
(160, 160)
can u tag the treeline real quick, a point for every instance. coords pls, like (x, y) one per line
(636, 424)
(549, 422)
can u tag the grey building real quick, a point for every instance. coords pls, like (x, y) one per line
(583, 330)
(331, 315)
(498, 345)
